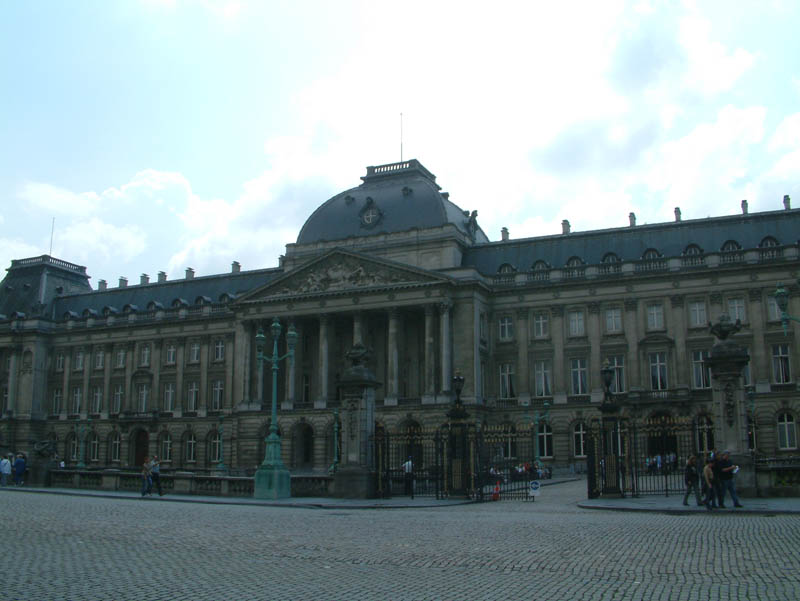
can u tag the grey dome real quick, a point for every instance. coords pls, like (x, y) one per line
(393, 198)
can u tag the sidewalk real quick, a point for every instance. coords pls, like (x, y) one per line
(301, 502)
(673, 505)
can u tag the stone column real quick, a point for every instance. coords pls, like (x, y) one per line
(203, 404)
(523, 374)
(108, 360)
(13, 379)
(358, 328)
(392, 359)
(230, 353)
(86, 397)
(632, 338)
(429, 386)
(595, 363)
(65, 391)
(446, 349)
(180, 356)
(290, 377)
(759, 362)
(682, 359)
(322, 399)
(155, 366)
(557, 333)
(130, 352)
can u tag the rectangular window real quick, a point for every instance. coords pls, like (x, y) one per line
(542, 378)
(97, 399)
(576, 326)
(57, 396)
(143, 396)
(78, 363)
(219, 350)
(579, 440)
(169, 396)
(655, 316)
(99, 360)
(736, 309)
(166, 448)
(194, 352)
(506, 328)
(701, 374)
(781, 373)
(617, 363)
(578, 372)
(191, 449)
(541, 325)
(59, 362)
(120, 362)
(773, 310)
(614, 320)
(217, 394)
(94, 448)
(697, 314)
(144, 355)
(119, 397)
(115, 446)
(77, 399)
(192, 392)
(658, 371)
(171, 354)
(507, 381)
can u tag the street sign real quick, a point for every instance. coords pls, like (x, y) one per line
(534, 489)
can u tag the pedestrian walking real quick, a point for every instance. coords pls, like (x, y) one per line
(147, 480)
(19, 470)
(709, 492)
(155, 474)
(692, 480)
(5, 471)
(727, 470)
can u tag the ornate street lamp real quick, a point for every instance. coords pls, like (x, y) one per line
(782, 299)
(272, 479)
(457, 411)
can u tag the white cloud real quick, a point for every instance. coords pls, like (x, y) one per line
(99, 241)
(58, 200)
(787, 134)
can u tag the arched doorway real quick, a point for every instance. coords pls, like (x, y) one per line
(141, 444)
(303, 447)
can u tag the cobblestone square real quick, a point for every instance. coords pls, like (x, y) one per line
(79, 549)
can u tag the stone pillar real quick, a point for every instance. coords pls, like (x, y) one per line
(557, 333)
(180, 356)
(355, 477)
(86, 396)
(230, 353)
(682, 359)
(429, 386)
(632, 338)
(523, 375)
(65, 391)
(358, 328)
(129, 402)
(759, 365)
(155, 366)
(203, 404)
(108, 360)
(322, 399)
(13, 379)
(290, 380)
(595, 363)
(446, 349)
(392, 359)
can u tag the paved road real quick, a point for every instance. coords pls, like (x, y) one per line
(82, 548)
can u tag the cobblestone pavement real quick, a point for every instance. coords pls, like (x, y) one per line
(81, 548)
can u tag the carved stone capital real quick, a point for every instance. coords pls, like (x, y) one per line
(522, 313)
(557, 310)
(594, 308)
(755, 295)
(677, 300)
(631, 304)
(715, 298)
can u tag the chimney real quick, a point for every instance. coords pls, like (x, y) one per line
(504, 234)
(144, 279)
(744, 207)
(565, 226)
(123, 282)
(102, 285)
(235, 267)
(677, 213)
(787, 202)
(189, 273)
(632, 219)
(162, 277)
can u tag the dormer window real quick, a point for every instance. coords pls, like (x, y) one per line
(769, 249)
(731, 252)
(692, 255)
(574, 268)
(611, 263)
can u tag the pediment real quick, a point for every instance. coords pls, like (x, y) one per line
(656, 339)
(339, 271)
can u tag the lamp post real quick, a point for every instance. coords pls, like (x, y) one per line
(272, 479)
(782, 299)
(457, 410)
(609, 409)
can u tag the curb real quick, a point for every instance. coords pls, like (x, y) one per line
(691, 511)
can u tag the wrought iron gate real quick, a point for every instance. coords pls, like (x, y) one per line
(631, 458)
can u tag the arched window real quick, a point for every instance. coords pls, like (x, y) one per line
(769, 248)
(540, 266)
(545, 440)
(787, 432)
(579, 439)
(506, 268)
(611, 263)
(574, 268)
(190, 448)
(731, 252)
(166, 447)
(114, 446)
(215, 447)
(611, 258)
(574, 262)
(705, 434)
(692, 255)
(731, 246)
(541, 271)
(651, 254)
(94, 447)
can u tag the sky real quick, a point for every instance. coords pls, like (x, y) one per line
(156, 135)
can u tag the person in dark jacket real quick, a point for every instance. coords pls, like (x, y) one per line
(726, 473)
(692, 480)
(19, 470)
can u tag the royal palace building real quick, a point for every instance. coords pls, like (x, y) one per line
(171, 366)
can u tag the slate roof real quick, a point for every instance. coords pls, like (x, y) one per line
(630, 243)
(405, 194)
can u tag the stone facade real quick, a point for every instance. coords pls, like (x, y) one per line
(170, 367)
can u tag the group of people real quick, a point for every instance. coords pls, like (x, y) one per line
(523, 471)
(657, 462)
(717, 478)
(18, 469)
(151, 475)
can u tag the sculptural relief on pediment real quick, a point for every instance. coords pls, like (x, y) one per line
(341, 273)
